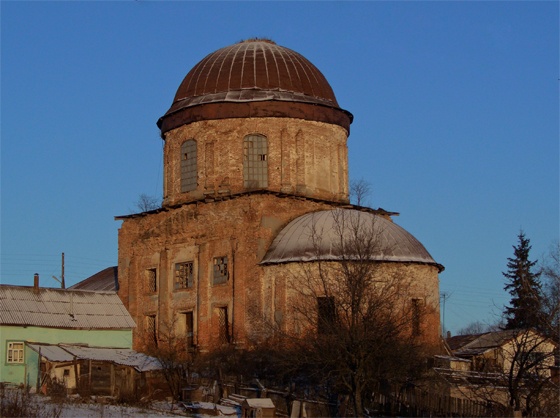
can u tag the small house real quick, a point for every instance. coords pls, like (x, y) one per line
(496, 351)
(30, 314)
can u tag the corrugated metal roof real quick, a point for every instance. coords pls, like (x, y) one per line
(122, 356)
(333, 235)
(52, 353)
(59, 308)
(105, 280)
(472, 345)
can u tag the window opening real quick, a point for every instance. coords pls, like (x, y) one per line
(184, 275)
(15, 352)
(255, 162)
(151, 330)
(416, 313)
(151, 280)
(186, 324)
(223, 325)
(188, 166)
(220, 271)
(326, 315)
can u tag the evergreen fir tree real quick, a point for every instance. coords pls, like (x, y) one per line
(524, 287)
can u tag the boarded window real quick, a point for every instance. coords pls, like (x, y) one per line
(223, 324)
(184, 275)
(15, 352)
(188, 166)
(220, 270)
(255, 162)
(151, 329)
(151, 280)
(326, 315)
(186, 328)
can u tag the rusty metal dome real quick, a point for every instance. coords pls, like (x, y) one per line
(254, 78)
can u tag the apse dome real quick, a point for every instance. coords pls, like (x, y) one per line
(254, 78)
(318, 236)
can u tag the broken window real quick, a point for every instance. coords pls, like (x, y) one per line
(223, 325)
(188, 166)
(151, 280)
(220, 271)
(326, 314)
(184, 275)
(151, 329)
(255, 162)
(15, 352)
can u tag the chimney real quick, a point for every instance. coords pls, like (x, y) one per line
(36, 282)
(448, 334)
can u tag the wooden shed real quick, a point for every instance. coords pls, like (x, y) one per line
(258, 408)
(96, 370)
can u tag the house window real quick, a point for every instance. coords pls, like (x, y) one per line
(255, 162)
(220, 271)
(326, 315)
(184, 275)
(223, 325)
(15, 352)
(151, 329)
(416, 316)
(151, 280)
(188, 166)
(186, 328)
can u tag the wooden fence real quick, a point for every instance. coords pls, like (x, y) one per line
(416, 402)
(412, 402)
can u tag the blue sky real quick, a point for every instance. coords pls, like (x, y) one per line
(455, 122)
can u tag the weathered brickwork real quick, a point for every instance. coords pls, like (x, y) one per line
(193, 266)
(285, 283)
(304, 157)
(240, 229)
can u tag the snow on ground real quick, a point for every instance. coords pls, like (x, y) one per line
(78, 408)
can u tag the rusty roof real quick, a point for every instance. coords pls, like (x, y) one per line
(59, 308)
(254, 78)
(254, 66)
(105, 280)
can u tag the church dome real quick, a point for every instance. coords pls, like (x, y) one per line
(319, 236)
(254, 78)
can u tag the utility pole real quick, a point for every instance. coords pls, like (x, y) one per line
(61, 280)
(444, 296)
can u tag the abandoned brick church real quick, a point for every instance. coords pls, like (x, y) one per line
(255, 152)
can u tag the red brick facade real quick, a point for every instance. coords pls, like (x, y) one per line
(193, 265)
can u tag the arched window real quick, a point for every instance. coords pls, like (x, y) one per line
(255, 162)
(188, 165)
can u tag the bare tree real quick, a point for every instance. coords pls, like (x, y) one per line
(174, 354)
(476, 327)
(146, 203)
(514, 377)
(354, 328)
(360, 191)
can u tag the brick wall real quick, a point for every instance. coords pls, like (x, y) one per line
(304, 157)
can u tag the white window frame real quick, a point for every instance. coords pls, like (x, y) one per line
(15, 355)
